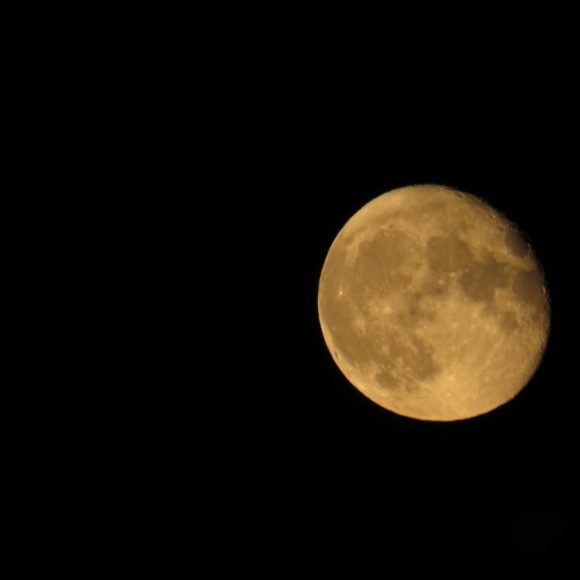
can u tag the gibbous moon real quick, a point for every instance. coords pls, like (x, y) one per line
(433, 305)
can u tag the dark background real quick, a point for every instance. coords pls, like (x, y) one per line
(462, 499)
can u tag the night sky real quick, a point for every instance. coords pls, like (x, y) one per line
(442, 495)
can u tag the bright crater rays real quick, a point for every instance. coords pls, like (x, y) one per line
(433, 305)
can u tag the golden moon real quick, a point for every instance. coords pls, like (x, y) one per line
(433, 305)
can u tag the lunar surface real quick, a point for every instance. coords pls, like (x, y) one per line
(433, 305)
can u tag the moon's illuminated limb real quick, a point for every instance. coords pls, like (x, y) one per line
(433, 305)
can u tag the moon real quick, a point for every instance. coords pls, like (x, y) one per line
(433, 304)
